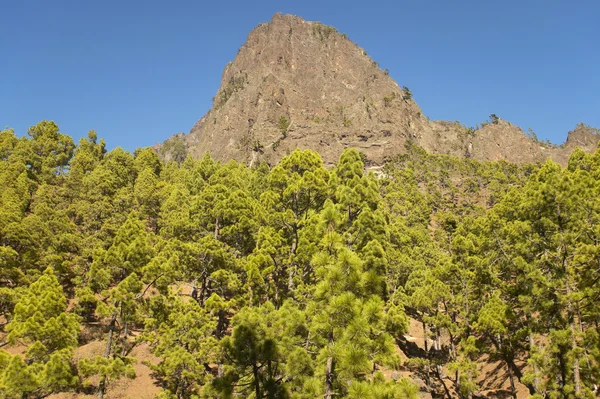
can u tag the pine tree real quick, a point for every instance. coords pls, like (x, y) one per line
(17, 380)
(40, 318)
(185, 346)
(252, 356)
(116, 273)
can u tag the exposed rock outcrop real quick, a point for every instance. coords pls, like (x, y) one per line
(298, 84)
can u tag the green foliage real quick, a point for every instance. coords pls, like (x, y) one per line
(252, 356)
(283, 126)
(388, 99)
(403, 389)
(322, 31)
(184, 343)
(39, 317)
(109, 369)
(250, 143)
(295, 281)
(533, 136)
(49, 152)
(174, 148)
(235, 84)
(17, 380)
(58, 374)
(406, 93)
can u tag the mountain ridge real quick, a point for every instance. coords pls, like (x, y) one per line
(300, 84)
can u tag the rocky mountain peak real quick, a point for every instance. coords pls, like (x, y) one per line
(299, 84)
(584, 137)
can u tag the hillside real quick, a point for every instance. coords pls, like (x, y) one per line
(325, 239)
(123, 276)
(299, 84)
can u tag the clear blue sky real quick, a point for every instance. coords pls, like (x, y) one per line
(139, 71)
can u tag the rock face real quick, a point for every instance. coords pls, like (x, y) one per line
(298, 84)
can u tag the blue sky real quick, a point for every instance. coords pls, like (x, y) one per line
(139, 71)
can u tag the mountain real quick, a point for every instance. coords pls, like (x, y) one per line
(299, 84)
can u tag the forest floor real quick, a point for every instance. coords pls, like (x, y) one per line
(143, 386)
(493, 375)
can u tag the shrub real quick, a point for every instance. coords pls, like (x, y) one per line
(235, 84)
(387, 100)
(406, 93)
(323, 31)
(174, 148)
(283, 125)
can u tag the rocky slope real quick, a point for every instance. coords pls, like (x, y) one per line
(298, 84)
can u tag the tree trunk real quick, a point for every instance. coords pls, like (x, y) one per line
(446, 390)
(536, 381)
(329, 379)
(220, 333)
(573, 324)
(576, 375)
(427, 377)
(292, 266)
(111, 329)
(570, 313)
(563, 372)
(217, 228)
(177, 386)
(438, 349)
(256, 381)
(291, 272)
(124, 345)
(329, 370)
(203, 290)
(276, 286)
(509, 364)
(453, 357)
(508, 357)
(511, 377)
